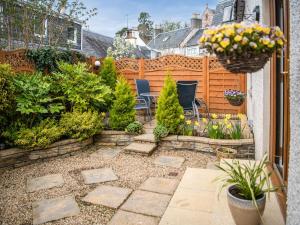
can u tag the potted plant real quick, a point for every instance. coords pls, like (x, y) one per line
(235, 97)
(247, 185)
(226, 153)
(243, 47)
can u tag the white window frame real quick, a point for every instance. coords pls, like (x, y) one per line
(46, 30)
(1, 17)
(227, 14)
(74, 41)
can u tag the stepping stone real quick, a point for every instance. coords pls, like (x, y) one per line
(160, 185)
(145, 138)
(109, 196)
(106, 153)
(147, 203)
(129, 218)
(140, 148)
(98, 175)
(45, 182)
(53, 209)
(170, 161)
(212, 166)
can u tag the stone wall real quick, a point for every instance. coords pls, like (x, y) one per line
(245, 147)
(113, 138)
(16, 157)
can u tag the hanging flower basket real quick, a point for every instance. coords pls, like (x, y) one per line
(235, 97)
(243, 47)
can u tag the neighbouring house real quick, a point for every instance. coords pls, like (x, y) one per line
(94, 44)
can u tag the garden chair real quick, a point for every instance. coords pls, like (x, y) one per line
(143, 86)
(187, 97)
(141, 104)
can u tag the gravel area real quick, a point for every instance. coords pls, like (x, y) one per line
(132, 170)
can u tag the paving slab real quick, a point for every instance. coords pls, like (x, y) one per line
(45, 182)
(140, 148)
(147, 203)
(171, 161)
(108, 196)
(109, 153)
(53, 209)
(98, 175)
(160, 185)
(129, 218)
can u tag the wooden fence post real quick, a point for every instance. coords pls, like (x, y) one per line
(141, 68)
(206, 79)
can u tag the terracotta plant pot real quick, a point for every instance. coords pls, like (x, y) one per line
(244, 211)
(226, 153)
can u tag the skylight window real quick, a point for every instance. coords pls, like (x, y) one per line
(227, 16)
(166, 38)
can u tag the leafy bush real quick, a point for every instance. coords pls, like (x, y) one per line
(41, 135)
(81, 125)
(10, 133)
(169, 110)
(160, 132)
(109, 73)
(135, 128)
(83, 90)
(34, 96)
(122, 112)
(46, 59)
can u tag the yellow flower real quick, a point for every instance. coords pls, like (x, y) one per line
(228, 116)
(237, 25)
(266, 30)
(229, 126)
(229, 32)
(278, 33)
(204, 120)
(214, 116)
(103, 114)
(182, 117)
(245, 40)
(248, 30)
(266, 41)
(188, 122)
(238, 38)
(280, 42)
(215, 127)
(225, 42)
(196, 124)
(220, 49)
(240, 115)
(213, 39)
(202, 39)
(225, 121)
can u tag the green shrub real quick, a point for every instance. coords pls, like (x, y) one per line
(160, 132)
(81, 125)
(82, 89)
(135, 128)
(10, 133)
(41, 135)
(122, 112)
(109, 73)
(169, 110)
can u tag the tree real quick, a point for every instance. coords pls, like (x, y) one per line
(121, 49)
(109, 73)
(145, 26)
(28, 17)
(122, 32)
(171, 25)
(122, 112)
(169, 110)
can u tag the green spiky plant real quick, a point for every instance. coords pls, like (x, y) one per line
(109, 73)
(169, 110)
(122, 112)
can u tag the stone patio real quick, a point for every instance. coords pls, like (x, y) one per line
(53, 209)
(98, 175)
(129, 218)
(107, 153)
(160, 185)
(45, 182)
(170, 161)
(147, 203)
(108, 196)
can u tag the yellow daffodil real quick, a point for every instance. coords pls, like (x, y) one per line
(229, 126)
(280, 42)
(204, 120)
(266, 30)
(240, 115)
(228, 116)
(196, 124)
(238, 38)
(229, 32)
(225, 42)
(215, 127)
(181, 117)
(248, 31)
(202, 39)
(214, 38)
(214, 116)
(225, 121)
(188, 122)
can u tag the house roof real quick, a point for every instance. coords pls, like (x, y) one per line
(170, 39)
(142, 52)
(94, 44)
(221, 5)
(194, 41)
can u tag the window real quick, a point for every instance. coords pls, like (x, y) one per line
(72, 35)
(166, 38)
(227, 16)
(1, 18)
(40, 27)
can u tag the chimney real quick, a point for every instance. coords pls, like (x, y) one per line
(196, 22)
(158, 29)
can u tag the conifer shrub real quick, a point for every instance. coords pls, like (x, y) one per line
(169, 111)
(122, 112)
(109, 73)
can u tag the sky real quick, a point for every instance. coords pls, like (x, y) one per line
(112, 14)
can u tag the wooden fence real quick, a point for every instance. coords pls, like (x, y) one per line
(213, 78)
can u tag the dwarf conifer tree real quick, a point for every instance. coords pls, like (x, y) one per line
(169, 110)
(122, 112)
(109, 73)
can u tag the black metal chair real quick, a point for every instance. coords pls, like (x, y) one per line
(187, 97)
(141, 104)
(143, 86)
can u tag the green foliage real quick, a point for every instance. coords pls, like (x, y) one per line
(82, 89)
(41, 135)
(81, 125)
(169, 110)
(122, 112)
(215, 130)
(10, 132)
(34, 96)
(109, 73)
(236, 132)
(250, 179)
(160, 132)
(145, 26)
(135, 128)
(187, 128)
(46, 59)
